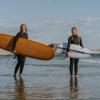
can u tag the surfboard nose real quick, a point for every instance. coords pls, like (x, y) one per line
(50, 55)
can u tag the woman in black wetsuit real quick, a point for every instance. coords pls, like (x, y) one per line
(21, 59)
(74, 39)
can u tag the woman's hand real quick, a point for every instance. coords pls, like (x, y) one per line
(14, 51)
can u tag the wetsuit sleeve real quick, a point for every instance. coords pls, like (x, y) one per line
(15, 40)
(81, 43)
(69, 42)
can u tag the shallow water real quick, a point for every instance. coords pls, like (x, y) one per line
(49, 81)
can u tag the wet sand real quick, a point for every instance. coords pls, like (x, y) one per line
(50, 83)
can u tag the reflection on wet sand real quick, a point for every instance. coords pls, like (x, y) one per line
(33, 93)
(73, 95)
(42, 93)
(19, 89)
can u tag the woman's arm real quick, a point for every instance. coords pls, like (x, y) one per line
(15, 40)
(81, 43)
(69, 42)
(68, 46)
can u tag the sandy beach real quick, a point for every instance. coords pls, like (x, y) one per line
(49, 82)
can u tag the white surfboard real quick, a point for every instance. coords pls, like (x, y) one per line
(73, 54)
(79, 49)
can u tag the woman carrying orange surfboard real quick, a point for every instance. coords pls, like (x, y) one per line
(21, 59)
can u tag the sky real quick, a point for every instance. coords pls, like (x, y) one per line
(50, 21)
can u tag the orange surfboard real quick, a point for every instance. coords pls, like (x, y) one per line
(26, 47)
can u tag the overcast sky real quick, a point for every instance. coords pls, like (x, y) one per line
(51, 20)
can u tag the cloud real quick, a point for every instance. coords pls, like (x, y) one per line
(10, 28)
(59, 30)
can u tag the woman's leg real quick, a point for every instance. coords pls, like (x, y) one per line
(17, 65)
(76, 66)
(21, 68)
(71, 66)
(22, 65)
(16, 68)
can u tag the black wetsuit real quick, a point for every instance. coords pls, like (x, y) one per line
(21, 59)
(74, 61)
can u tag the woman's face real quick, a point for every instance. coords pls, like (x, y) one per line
(24, 27)
(74, 32)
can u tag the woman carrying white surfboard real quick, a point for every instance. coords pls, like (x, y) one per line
(21, 59)
(74, 39)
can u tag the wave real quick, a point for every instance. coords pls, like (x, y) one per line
(51, 65)
(57, 61)
(95, 61)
